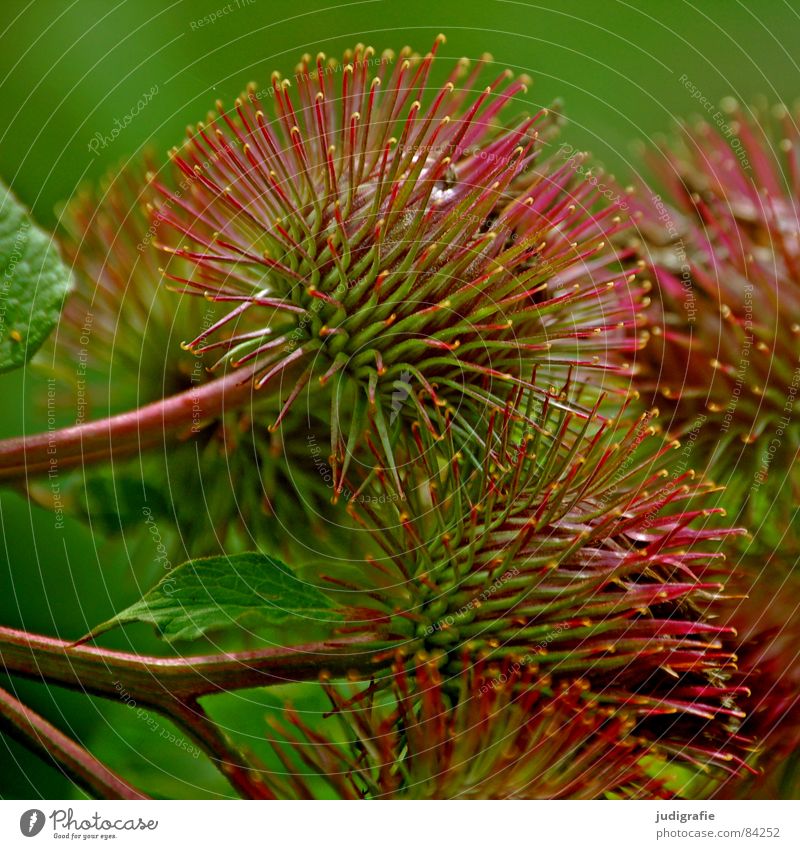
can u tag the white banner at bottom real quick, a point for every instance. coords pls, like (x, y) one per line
(395, 825)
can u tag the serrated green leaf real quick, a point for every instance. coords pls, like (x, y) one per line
(247, 590)
(33, 283)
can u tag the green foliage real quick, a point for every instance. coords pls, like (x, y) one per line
(213, 593)
(46, 165)
(33, 284)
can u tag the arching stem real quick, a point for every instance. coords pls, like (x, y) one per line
(126, 433)
(172, 686)
(159, 681)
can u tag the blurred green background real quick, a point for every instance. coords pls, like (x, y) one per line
(69, 70)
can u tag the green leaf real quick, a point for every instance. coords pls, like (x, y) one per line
(33, 283)
(216, 592)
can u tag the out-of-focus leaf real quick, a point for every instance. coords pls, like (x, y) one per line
(33, 283)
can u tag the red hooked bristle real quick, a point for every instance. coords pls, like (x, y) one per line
(492, 731)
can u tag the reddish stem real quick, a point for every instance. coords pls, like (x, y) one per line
(160, 681)
(173, 685)
(46, 741)
(125, 433)
(222, 751)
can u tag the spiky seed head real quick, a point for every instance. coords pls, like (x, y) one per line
(119, 336)
(468, 736)
(722, 241)
(118, 345)
(373, 229)
(579, 546)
